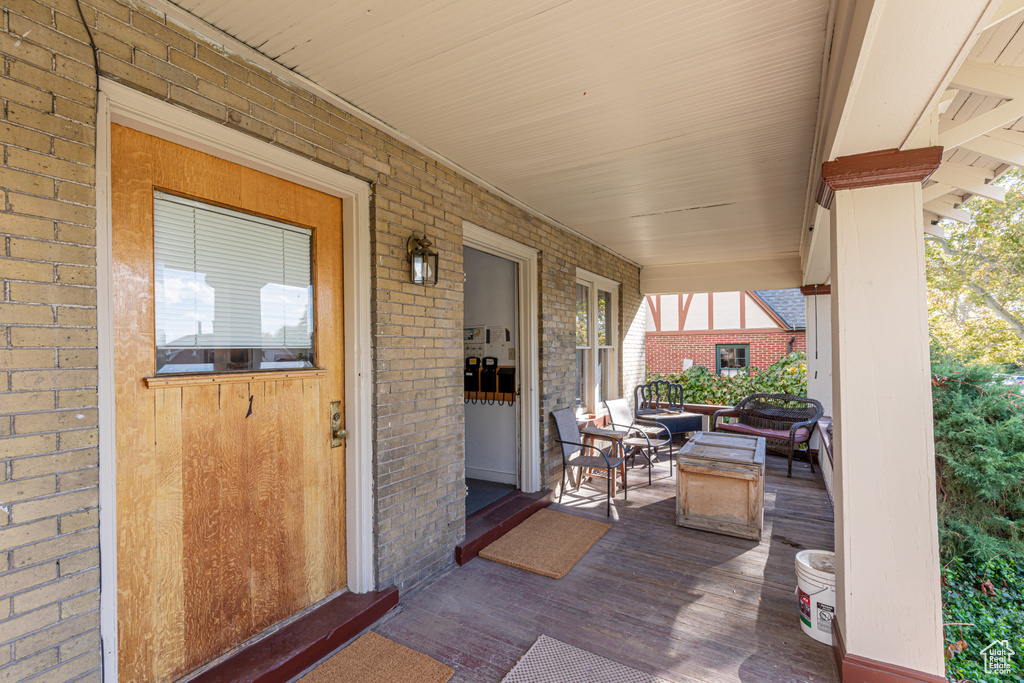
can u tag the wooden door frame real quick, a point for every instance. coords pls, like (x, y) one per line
(527, 315)
(128, 107)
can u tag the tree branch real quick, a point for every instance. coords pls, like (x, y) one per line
(990, 301)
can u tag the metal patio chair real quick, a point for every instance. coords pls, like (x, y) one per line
(577, 454)
(642, 436)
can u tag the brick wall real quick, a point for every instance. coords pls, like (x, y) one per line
(48, 376)
(49, 558)
(666, 351)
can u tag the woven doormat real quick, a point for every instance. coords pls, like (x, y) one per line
(552, 661)
(547, 543)
(375, 659)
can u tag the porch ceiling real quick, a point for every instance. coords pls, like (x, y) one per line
(671, 132)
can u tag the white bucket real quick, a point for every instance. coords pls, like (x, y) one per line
(816, 587)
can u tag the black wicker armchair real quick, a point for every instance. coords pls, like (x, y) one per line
(784, 420)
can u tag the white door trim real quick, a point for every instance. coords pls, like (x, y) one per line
(529, 368)
(120, 104)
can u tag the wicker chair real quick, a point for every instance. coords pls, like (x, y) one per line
(648, 398)
(784, 420)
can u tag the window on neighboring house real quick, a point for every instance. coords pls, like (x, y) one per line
(731, 359)
(233, 291)
(596, 341)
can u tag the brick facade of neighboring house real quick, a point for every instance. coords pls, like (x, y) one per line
(666, 352)
(49, 538)
(770, 322)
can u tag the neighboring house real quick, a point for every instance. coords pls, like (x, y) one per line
(603, 150)
(724, 331)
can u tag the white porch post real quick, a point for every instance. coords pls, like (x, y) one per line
(888, 599)
(819, 350)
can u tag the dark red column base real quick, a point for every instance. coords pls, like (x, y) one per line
(857, 669)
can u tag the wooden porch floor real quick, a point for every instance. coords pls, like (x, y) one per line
(681, 604)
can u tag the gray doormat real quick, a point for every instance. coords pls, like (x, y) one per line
(552, 661)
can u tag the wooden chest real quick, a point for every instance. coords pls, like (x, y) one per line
(720, 484)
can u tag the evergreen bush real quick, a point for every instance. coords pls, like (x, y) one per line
(979, 448)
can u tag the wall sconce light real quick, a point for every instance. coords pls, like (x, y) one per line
(422, 259)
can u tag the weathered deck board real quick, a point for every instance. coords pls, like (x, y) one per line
(682, 604)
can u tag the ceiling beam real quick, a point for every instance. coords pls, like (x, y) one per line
(955, 175)
(957, 135)
(1014, 137)
(946, 99)
(996, 80)
(727, 276)
(935, 191)
(946, 210)
(1007, 9)
(991, 146)
(936, 229)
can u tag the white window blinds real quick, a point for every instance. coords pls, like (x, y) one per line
(229, 280)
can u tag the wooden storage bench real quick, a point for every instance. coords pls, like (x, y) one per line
(720, 484)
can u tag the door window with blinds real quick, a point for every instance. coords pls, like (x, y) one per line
(233, 291)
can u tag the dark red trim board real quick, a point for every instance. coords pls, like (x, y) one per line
(820, 290)
(497, 519)
(288, 652)
(885, 167)
(686, 310)
(857, 669)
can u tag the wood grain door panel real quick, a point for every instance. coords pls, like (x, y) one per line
(228, 521)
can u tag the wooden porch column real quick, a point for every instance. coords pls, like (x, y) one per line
(819, 346)
(888, 613)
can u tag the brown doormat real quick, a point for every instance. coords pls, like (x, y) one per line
(375, 659)
(547, 543)
(552, 661)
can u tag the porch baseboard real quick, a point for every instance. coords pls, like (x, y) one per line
(497, 519)
(285, 654)
(857, 669)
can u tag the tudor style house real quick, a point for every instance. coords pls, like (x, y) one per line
(238, 243)
(725, 331)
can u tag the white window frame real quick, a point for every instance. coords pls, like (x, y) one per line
(594, 283)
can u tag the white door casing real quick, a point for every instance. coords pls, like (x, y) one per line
(529, 428)
(128, 107)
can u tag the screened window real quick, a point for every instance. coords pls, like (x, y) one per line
(233, 291)
(732, 358)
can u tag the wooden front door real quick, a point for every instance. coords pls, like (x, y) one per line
(230, 496)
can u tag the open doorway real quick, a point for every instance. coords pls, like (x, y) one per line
(491, 345)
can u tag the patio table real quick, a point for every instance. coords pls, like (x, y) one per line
(591, 434)
(676, 422)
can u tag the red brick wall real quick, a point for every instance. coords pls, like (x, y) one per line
(666, 351)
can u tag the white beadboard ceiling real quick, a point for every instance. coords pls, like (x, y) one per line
(671, 131)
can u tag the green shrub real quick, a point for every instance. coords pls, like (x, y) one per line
(979, 448)
(982, 603)
(788, 375)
